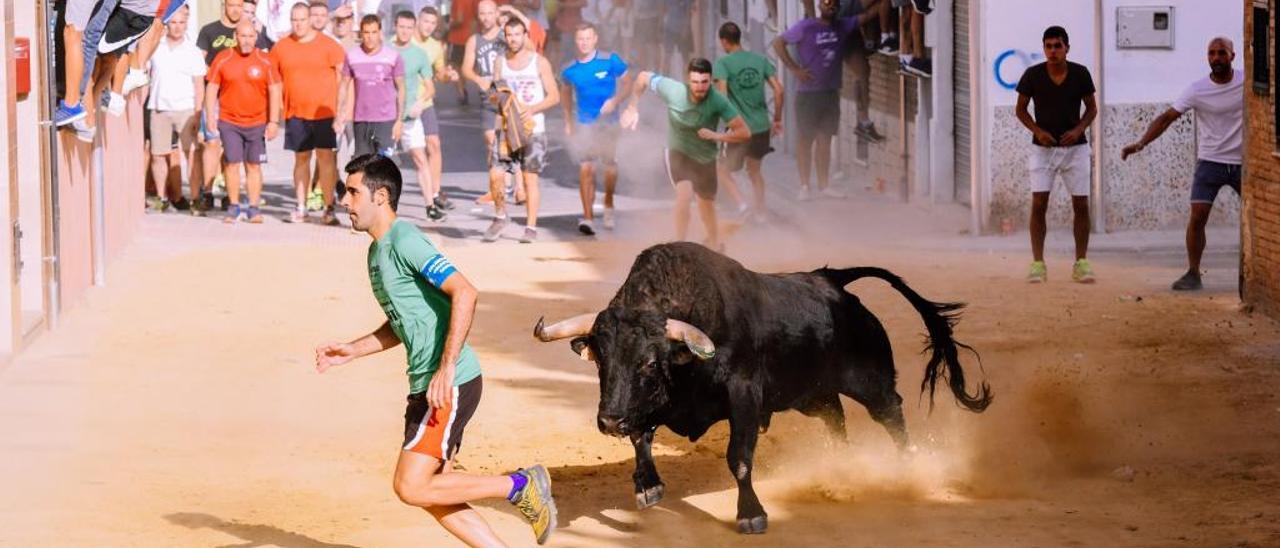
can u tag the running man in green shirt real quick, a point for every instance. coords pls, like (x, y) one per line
(742, 76)
(429, 307)
(694, 113)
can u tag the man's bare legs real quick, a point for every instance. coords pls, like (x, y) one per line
(421, 481)
(327, 173)
(684, 198)
(804, 159)
(1080, 225)
(707, 211)
(232, 175)
(437, 164)
(757, 183)
(1196, 239)
(730, 185)
(1037, 225)
(301, 182)
(423, 166)
(822, 159)
(73, 47)
(533, 197)
(587, 189)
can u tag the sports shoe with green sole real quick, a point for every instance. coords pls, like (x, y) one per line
(535, 502)
(1037, 274)
(1082, 272)
(315, 199)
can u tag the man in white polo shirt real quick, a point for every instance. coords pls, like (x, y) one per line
(176, 95)
(1218, 100)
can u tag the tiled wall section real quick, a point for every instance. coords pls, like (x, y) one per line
(1149, 191)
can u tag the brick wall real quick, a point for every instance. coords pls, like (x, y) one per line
(883, 161)
(1261, 189)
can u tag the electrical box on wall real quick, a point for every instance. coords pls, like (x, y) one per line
(1144, 27)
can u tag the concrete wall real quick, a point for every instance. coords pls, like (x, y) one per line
(120, 142)
(1150, 191)
(1261, 219)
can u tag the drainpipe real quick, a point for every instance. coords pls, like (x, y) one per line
(1098, 207)
(977, 114)
(99, 213)
(53, 229)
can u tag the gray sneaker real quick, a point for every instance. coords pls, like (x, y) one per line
(530, 235)
(1188, 282)
(495, 229)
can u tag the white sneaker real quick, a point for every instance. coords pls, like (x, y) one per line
(134, 80)
(115, 106)
(586, 227)
(833, 192)
(84, 132)
(804, 194)
(608, 218)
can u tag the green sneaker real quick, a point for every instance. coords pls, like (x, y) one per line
(1082, 272)
(1038, 273)
(315, 199)
(535, 502)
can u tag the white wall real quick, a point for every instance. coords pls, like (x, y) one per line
(1018, 25)
(1159, 75)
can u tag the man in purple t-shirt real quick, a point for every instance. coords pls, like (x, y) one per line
(372, 92)
(819, 45)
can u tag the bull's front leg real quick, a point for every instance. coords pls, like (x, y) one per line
(744, 429)
(649, 488)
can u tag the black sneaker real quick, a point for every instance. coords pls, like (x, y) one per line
(206, 201)
(434, 213)
(920, 66)
(182, 204)
(867, 131)
(443, 203)
(1188, 282)
(923, 7)
(888, 46)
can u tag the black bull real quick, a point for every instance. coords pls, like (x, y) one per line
(692, 338)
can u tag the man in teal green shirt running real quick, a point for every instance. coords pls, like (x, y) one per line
(429, 306)
(694, 113)
(742, 76)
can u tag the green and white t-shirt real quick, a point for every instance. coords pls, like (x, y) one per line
(406, 272)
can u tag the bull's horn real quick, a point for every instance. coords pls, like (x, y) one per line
(697, 341)
(576, 326)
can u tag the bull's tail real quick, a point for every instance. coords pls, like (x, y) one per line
(939, 318)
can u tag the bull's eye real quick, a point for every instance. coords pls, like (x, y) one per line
(649, 367)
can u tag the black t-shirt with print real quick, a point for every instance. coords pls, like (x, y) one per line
(1057, 106)
(215, 37)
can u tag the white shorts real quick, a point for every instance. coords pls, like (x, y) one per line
(412, 135)
(1072, 163)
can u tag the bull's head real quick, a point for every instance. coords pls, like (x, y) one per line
(635, 353)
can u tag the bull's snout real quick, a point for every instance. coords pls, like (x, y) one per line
(613, 426)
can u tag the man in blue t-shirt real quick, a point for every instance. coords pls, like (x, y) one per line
(593, 84)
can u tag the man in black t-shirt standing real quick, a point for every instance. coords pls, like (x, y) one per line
(1058, 88)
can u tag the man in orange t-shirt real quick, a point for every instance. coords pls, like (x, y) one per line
(308, 63)
(246, 88)
(462, 24)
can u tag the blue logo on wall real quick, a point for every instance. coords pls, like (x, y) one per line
(1017, 57)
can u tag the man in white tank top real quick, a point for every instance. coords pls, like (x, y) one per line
(531, 81)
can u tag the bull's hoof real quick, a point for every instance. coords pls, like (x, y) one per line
(650, 496)
(753, 526)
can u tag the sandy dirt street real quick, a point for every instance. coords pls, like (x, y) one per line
(178, 407)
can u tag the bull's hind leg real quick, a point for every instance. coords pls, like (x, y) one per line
(876, 391)
(649, 488)
(744, 429)
(829, 410)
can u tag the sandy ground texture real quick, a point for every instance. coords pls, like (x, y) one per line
(178, 405)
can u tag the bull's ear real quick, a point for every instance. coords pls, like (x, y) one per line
(680, 354)
(582, 347)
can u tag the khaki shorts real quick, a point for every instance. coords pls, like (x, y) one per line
(164, 123)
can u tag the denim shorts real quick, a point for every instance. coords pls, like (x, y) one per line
(1210, 177)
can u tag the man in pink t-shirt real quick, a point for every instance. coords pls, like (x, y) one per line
(372, 92)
